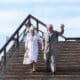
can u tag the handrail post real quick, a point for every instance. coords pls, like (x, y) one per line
(37, 23)
(17, 39)
(42, 34)
(29, 22)
(4, 57)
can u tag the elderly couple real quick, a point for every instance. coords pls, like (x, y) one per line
(49, 42)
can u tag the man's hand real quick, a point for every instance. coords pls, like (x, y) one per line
(62, 26)
(62, 29)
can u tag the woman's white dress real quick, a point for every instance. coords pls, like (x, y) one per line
(31, 46)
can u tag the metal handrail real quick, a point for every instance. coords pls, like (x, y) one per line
(12, 37)
(38, 21)
(74, 38)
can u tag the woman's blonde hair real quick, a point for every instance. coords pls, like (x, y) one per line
(32, 28)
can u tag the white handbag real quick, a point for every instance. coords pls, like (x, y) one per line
(27, 59)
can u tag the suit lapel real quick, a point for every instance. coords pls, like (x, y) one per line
(52, 33)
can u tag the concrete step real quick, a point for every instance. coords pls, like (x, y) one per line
(42, 77)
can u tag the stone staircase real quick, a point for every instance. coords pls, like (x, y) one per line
(67, 64)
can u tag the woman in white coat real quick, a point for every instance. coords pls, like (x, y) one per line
(31, 47)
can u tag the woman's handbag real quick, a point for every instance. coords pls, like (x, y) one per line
(27, 59)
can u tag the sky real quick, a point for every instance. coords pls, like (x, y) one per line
(56, 12)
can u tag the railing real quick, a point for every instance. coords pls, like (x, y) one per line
(77, 39)
(71, 39)
(16, 35)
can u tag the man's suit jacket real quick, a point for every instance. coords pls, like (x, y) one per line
(49, 43)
